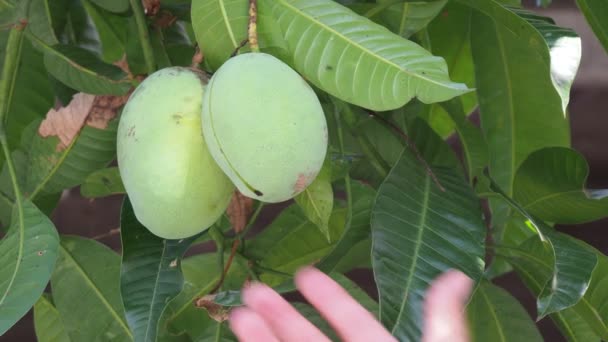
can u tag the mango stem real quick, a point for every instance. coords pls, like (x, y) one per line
(253, 26)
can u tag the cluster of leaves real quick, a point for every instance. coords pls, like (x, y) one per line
(395, 79)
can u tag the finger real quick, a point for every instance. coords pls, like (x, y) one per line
(250, 327)
(445, 319)
(350, 320)
(284, 320)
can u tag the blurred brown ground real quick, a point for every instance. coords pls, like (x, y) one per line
(589, 118)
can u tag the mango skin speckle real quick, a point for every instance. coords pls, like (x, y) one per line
(264, 126)
(176, 188)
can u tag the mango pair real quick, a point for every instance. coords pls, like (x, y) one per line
(184, 144)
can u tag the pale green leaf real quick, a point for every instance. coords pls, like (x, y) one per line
(102, 183)
(47, 322)
(317, 200)
(409, 17)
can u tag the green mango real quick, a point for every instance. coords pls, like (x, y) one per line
(176, 188)
(264, 126)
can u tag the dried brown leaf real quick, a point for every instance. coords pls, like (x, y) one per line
(239, 210)
(151, 7)
(66, 122)
(217, 312)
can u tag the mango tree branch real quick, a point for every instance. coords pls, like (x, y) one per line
(144, 35)
(253, 26)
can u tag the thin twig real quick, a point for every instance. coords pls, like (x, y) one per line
(238, 48)
(409, 144)
(252, 30)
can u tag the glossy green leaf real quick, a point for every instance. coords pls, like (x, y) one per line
(550, 184)
(32, 94)
(291, 241)
(117, 6)
(357, 228)
(102, 183)
(221, 25)
(409, 17)
(86, 291)
(150, 273)
(356, 60)
(83, 71)
(419, 232)
(596, 11)
(111, 29)
(473, 142)
(51, 171)
(565, 50)
(448, 36)
(317, 200)
(28, 253)
(201, 274)
(535, 267)
(40, 21)
(521, 111)
(47, 322)
(494, 315)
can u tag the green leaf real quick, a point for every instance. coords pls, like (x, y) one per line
(47, 322)
(550, 184)
(596, 11)
(86, 291)
(117, 6)
(221, 25)
(28, 253)
(32, 95)
(83, 71)
(472, 140)
(201, 274)
(291, 241)
(111, 29)
(494, 315)
(40, 21)
(317, 200)
(535, 267)
(565, 50)
(356, 60)
(449, 37)
(419, 232)
(150, 274)
(102, 183)
(51, 170)
(409, 17)
(357, 228)
(521, 111)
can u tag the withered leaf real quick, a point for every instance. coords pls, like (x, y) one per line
(66, 122)
(217, 312)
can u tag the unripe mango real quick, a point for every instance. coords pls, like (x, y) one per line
(176, 188)
(264, 126)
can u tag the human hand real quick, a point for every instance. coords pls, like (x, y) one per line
(267, 317)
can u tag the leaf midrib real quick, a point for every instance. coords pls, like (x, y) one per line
(356, 45)
(499, 328)
(97, 291)
(156, 285)
(19, 261)
(421, 225)
(227, 23)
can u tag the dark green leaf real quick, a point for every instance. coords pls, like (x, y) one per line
(448, 36)
(409, 17)
(550, 184)
(521, 110)
(317, 200)
(117, 6)
(596, 11)
(356, 60)
(28, 253)
(101, 183)
(83, 71)
(86, 291)
(419, 232)
(201, 274)
(47, 322)
(111, 29)
(494, 315)
(150, 274)
(40, 21)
